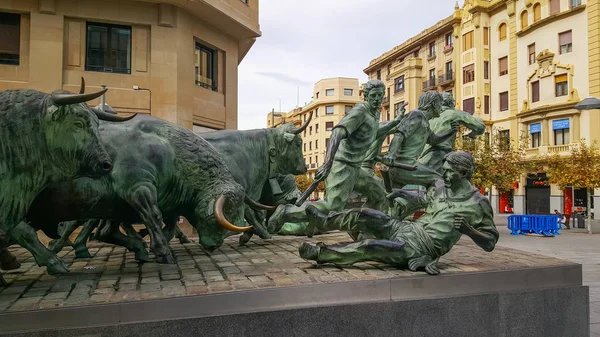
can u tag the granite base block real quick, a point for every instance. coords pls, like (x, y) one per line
(552, 312)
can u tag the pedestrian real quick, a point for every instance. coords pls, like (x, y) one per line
(562, 220)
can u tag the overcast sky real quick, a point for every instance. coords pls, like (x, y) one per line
(305, 41)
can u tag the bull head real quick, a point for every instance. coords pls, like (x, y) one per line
(218, 211)
(82, 97)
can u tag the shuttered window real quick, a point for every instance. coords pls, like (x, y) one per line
(503, 65)
(469, 105)
(562, 85)
(503, 97)
(535, 91)
(565, 41)
(554, 6)
(468, 41)
(502, 32)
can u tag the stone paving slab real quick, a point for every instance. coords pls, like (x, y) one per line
(113, 276)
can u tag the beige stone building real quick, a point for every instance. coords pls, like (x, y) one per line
(332, 99)
(173, 59)
(521, 66)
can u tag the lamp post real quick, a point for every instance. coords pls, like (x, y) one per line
(273, 114)
(589, 103)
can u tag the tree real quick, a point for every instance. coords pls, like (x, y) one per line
(499, 161)
(581, 169)
(303, 182)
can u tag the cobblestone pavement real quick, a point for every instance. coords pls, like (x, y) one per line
(113, 275)
(572, 245)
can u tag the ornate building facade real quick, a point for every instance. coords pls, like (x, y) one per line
(519, 65)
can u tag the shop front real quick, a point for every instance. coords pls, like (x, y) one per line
(537, 194)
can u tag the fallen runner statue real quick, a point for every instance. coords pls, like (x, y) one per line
(454, 207)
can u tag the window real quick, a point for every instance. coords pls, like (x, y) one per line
(536, 139)
(328, 126)
(575, 3)
(554, 6)
(486, 36)
(448, 70)
(348, 92)
(310, 130)
(486, 70)
(565, 42)
(561, 131)
(468, 41)
(10, 38)
(304, 147)
(317, 95)
(399, 84)
(503, 65)
(389, 69)
(347, 108)
(329, 110)
(329, 92)
(317, 112)
(310, 146)
(531, 53)
(316, 146)
(486, 104)
(245, 1)
(317, 128)
(108, 48)
(502, 31)
(561, 137)
(503, 97)
(524, 19)
(397, 108)
(432, 49)
(535, 91)
(327, 143)
(468, 74)
(504, 139)
(562, 85)
(432, 76)
(388, 116)
(537, 12)
(379, 75)
(469, 105)
(448, 40)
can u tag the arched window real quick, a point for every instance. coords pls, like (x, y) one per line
(524, 19)
(502, 32)
(537, 12)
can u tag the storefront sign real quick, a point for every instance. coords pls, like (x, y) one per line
(560, 124)
(535, 128)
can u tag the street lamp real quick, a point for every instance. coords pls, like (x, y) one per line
(273, 114)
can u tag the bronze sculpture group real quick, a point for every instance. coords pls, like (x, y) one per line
(61, 168)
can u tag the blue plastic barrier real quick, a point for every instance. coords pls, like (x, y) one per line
(534, 224)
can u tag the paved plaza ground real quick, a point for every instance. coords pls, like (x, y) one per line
(572, 245)
(114, 276)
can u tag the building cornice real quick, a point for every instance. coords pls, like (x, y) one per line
(413, 42)
(544, 109)
(552, 18)
(487, 7)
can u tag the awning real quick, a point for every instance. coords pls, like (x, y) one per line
(588, 104)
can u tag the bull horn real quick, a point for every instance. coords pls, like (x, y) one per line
(257, 205)
(218, 210)
(66, 99)
(82, 87)
(304, 126)
(110, 117)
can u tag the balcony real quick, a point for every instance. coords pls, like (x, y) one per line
(558, 148)
(448, 48)
(431, 56)
(446, 79)
(429, 84)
